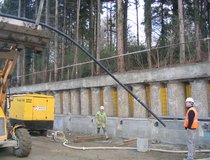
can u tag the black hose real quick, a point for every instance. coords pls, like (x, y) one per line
(90, 56)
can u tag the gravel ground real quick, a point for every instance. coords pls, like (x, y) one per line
(45, 149)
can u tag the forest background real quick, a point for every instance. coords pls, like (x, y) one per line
(124, 35)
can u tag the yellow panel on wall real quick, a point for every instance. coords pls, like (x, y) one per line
(90, 100)
(101, 97)
(115, 98)
(188, 90)
(164, 100)
(131, 105)
(209, 97)
(148, 96)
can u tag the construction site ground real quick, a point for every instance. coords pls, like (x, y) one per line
(45, 148)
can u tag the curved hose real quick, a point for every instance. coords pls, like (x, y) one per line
(177, 151)
(98, 148)
(58, 135)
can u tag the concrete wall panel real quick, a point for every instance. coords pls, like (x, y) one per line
(123, 103)
(155, 98)
(140, 91)
(85, 102)
(108, 101)
(75, 102)
(199, 91)
(95, 100)
(176, 98)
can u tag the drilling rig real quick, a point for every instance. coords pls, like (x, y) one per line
(18, 35)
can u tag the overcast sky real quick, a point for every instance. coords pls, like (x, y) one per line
(132, 19)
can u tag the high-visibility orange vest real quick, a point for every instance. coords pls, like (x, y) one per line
(195, 120)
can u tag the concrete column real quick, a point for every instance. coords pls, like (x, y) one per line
(199, 92)
(57, 103)
(176, 98)
(75, 102)
(155, 98)
(66, 102)
(123, 102)
(108, 101)
(140, 91)
(95, 100)
(85, 101)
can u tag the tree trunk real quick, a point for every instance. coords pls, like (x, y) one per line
(91, 38)
(63, 40)
(197, 30)
(137, 22)
(77, 40)
(56, 43)
(110, 30)
(175, 28)
(120, 35)
(125, 14)
(33, 68)
(23, 78)
(19, 57)
(46, 57)
(98, 35)
(181, 32)
(148, 30)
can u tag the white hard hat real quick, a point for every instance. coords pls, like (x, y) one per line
(102, 107)
(189, 99)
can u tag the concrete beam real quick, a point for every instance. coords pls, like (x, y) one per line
(17, 32)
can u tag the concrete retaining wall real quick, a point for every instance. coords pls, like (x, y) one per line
(77, 101)
(173, 133)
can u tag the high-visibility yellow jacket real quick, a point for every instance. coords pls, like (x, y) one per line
(195, 120)
(101, 119)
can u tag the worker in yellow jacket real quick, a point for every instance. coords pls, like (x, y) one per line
(101, 121)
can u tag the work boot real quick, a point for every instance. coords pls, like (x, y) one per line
(106, 135)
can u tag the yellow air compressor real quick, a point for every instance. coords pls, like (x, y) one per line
(34, 111)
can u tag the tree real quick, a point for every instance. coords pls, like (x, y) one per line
(91, 33)
(98, 35)
(137, 21)
(63, 40)
(120, 35)
(148, 30)
(77, 40)
(181, 32)
(197, 30)
(56, 43)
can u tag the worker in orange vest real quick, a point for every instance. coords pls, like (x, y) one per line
(191, 124)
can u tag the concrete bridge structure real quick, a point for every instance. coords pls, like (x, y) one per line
(163, 90)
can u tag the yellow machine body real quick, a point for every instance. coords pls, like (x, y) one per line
(3, 129)
(35, 111)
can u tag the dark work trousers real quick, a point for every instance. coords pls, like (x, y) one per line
(98, 130)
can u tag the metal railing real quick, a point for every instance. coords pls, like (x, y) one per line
(161, 56)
